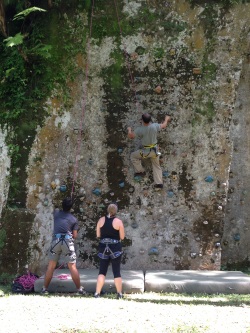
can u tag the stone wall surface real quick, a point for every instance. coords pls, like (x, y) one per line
(193, 64)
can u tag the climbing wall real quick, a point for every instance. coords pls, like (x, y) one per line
(179, 61)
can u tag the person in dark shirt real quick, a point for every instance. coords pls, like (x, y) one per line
(64, 234)
(110, 231)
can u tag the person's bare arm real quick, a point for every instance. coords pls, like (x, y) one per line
(74, 233)
(131, 135)
(166, 121)
(121, 231)
(98, 227)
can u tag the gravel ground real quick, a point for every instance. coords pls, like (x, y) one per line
(136, 313)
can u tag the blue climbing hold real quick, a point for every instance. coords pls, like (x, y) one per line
(153, 251)
(97, 191)
(63, 188)
(121, 184)
(165, 174)
(170, 194)
(237, 237)
(120, 150)
(209, 179)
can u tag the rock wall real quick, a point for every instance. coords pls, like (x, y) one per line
(192, 63)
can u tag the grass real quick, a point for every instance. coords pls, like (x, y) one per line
(136, 313)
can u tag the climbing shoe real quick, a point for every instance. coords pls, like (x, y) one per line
(158, 187)
(119, 295)
(140, 174)
(44, 291)
(96, 295)
(81, 292)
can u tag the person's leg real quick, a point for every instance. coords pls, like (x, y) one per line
(136, 161)
(157, 171)
(74, 274)
(100, 283)
(104, 263)
(49, 273)
(116, 264)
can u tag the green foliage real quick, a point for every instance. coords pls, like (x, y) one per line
(159, 52)
(6, 278)
(16, 40)
(2, 238)
(22, 15)
(207, 111)
(225, 3)
(113, 74)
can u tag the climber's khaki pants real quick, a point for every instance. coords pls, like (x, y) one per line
(136, 160)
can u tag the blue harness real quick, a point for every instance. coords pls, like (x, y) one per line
(108, 253)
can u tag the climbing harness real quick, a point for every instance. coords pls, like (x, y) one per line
(108, 253)
(153, 147)
(60, 239)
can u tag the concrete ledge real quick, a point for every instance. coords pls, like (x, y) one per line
(209, 282)
(133, 281)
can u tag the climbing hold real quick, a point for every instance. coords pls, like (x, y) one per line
(138, 178)
(217, 244)
(134, 225)
(212, 194)
(158, 89)
(120, 150)
(46, 202)
(97, 191)
(100, 181)
(153, 251)
(170, 194)
(81, 209)
(53, 185)
(63, 188)
(220, 207)
(237, 237)
(165, 174)
(172, 52)
(205, 222)
(134, 56)
(174, 177)
(131, 190)
(209, 179)
(193, 255)
(196, 71)
(81, 191)
(142, 251)
(121, 184)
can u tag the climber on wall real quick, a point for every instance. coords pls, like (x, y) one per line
(148, 135)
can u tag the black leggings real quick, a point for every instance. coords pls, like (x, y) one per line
(116, 263)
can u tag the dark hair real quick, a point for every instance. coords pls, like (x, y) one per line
(146, 118)
(67, 204)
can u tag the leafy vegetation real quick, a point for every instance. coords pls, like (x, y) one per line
(31, 69)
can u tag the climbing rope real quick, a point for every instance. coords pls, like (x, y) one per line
(24, 283)
(84, 101)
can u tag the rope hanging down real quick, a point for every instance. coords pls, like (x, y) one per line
(84, 101)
